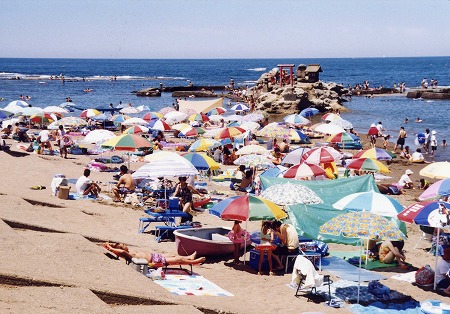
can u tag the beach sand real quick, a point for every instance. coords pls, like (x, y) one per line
(51, 260)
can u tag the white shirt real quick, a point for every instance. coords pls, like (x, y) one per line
(82, 184)
(433, 140)
(44, 135)
(404, 179)
(416, 156)
(442, 268)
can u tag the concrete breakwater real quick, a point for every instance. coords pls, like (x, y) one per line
(435, 93)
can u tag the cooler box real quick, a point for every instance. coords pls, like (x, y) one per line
(254, 260)
(63, 192)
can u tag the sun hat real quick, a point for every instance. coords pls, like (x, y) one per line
(446, 255)
(408, 171)
(433, 132)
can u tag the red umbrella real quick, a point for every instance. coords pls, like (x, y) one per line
(304, 170)
(320, 155)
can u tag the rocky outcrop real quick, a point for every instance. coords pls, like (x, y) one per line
(437, 93)
(149, 92)
(204, 93)
(292, 99)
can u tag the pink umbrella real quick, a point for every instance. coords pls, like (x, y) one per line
(304, 170)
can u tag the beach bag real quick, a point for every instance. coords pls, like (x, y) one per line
(321, 247)
(424, 275)
(379, 290)
(420, 139)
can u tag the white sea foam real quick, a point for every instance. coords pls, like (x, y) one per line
(257, 69)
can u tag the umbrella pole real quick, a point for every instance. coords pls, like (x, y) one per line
(436, 259)
(245, 241)
(359, 270)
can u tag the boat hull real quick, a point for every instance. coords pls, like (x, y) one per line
(204, 241)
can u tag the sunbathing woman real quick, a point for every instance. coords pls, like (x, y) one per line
(122, 250)
(388, 251)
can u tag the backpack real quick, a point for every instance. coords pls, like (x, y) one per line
(379, 290)
(424, 275)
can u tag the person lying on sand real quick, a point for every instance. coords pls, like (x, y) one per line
(122, 250)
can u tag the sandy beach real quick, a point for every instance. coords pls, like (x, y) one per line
(51, 261)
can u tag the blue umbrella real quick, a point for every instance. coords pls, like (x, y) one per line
(4, 114)
(273, 172)
(309, 112)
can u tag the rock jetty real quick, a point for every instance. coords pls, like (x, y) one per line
(434, 93)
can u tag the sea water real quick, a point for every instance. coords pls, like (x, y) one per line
(114, 80)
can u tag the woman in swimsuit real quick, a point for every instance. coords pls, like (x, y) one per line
(123, 251)
(185, 191)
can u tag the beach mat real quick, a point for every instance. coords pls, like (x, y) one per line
(184, 284)
(371, 264)
(75, 197)
(342, 269)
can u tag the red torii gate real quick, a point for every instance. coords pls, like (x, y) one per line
(291, 73)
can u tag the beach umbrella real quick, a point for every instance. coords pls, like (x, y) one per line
(298, 136)
(328, 128)
(433, 214)
(304, 170)
(163, 155)
(4, 114)
(55, 109)
(321, 155)
(174, 117)
(101, 117)
(290, 194)
(119, 118)
(200, 130)
(250, 161)
(137, 129)
(436, 170)
(226, 141)
(240, 107)
(31, 111)
(129, 110)
(273, 130)
(68, 104)
(188, 131)
(371, 201)
(19, 103)
(98, 136)
(188, 111)
(346, 125)
(166, 167)
(309, 112)
(143, 108)
(367, 164)
(233, 117)
(159, 125)
(437, 189)
(166, 110)
(360, 225)
(230, 132)
(294, 157)
(127, 142)
(375, 153)
(252, 149)
(13, 109)
(343, 137)
(274, 172)
(249, 126)
(213, 132)
(331, 116)
(199, 117)
(247, 207)
(296, 119)
(149, 116)
(204, 144)
(134, 121)
(202, 161)
(89, 113)
(215, 118)
(252, 117)
(216, 111)
(44, 118)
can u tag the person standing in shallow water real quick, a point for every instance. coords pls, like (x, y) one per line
(402, 135)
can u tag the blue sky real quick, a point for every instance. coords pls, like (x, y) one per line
(223, 29)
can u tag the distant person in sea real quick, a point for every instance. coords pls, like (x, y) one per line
(418, 120)
(402, 135)
(406, 120)
(444, 143)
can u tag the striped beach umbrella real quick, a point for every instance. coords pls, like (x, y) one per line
(230, 132)
(331, 117)
(127, 142)
(304, 170)
(166, 110)
(199, 117)
(298, 137)
(217, 111)
(343, 137)
(137, 129)
(240, 107)
(119, 118)
(134, 121)
(204, 144)
(296, 119)
(367, 164)
(159, 125)
(321, 155)
(89, 113)
(149, 116)
(375, 153)
(309, 112)
(201, 161)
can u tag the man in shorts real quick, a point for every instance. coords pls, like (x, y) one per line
(125, 184)
(85, 186)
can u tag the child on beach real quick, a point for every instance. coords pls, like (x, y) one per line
(238, 236)
(266, 246)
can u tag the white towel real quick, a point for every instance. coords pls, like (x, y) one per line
(304, 266)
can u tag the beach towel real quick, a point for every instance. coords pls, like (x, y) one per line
(341, 268)
(305, 267)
